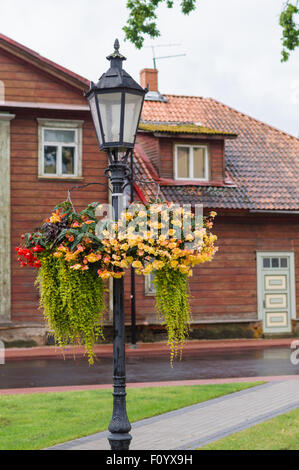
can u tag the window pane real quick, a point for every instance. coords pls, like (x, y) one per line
(275, 262)
(150, 286)
(59, 136)
(68, 154)
(199, 163)
(283, 262)
(183, 162)
(266, 262)
(132, 111)
(110, 105)
(50, 159)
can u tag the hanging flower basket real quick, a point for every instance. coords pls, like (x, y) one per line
(74, 253)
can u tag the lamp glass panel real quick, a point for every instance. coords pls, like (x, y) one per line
(110, 110)
(95, 118)
(132, 111)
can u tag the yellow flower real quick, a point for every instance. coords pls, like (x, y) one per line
(104, 274)
(123, 264)
(189, 237)
(137, 264)
(148, 269)
(76, 266)
(55, 217)
(174, 263)
(142, 214)
(183, 269)
(118, 275)
(177, 223)
(70, 256)
(199, 233)
(172, 246)
(158, 264)
(92, 257)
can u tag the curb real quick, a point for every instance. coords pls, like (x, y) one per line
(144, 349)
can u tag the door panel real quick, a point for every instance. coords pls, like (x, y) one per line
(275, 282)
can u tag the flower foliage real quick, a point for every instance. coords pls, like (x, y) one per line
(76, 252)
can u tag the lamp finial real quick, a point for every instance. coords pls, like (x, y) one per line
(116, 54)
(116, 45)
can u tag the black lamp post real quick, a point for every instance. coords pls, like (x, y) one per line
(116, 103)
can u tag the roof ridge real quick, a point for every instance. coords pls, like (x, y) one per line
(236, 111)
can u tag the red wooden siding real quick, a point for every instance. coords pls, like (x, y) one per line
(32, 199)
(226, 288)
(25, 82)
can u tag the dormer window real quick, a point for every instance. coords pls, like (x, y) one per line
(191, 162)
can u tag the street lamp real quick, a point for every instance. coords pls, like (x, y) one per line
(115, 104)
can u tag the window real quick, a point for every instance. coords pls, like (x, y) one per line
(191, 162)
(275, 262)
(60, 148)
(149, 283)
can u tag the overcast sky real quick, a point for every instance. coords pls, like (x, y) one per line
(232, 49)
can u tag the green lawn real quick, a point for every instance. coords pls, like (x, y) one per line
(37, 421)
(280, 433)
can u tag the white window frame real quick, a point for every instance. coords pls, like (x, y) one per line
(61, 125)
(191, 160)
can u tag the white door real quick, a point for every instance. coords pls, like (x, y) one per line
(276, 291)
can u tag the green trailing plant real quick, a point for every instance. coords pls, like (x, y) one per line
(172, 303)
(73, 303)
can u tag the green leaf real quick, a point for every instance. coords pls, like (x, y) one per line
(142, 18)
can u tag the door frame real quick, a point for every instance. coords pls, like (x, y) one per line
(292, 286)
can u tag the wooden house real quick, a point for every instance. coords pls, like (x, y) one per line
(194, 150)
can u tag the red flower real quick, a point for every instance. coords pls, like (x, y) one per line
(38, 248)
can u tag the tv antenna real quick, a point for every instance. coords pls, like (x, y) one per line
(164, 56)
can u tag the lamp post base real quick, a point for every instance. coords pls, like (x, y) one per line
(119, 441)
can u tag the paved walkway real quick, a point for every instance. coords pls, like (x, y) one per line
(197, 425)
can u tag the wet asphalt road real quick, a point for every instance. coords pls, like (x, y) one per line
(202, 365)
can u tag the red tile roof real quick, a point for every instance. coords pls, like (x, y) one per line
(262, 161)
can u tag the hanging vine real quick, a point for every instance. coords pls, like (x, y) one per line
(172, 302)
